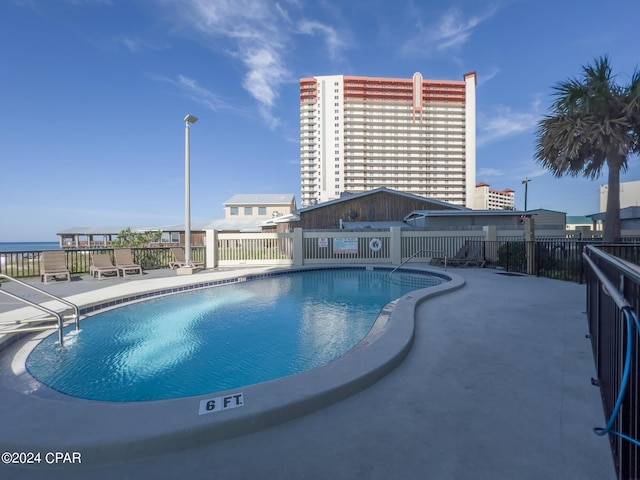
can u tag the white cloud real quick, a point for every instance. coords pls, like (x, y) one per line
(537, 173)
(489, 172)
(32, 4)
(525, 169)
(136, 45)
(503, 123)
(35, 4)
(256, 32)
(248, 30)
(284, 14)
(89, 2)
(334, 43)
(512, 175)
(196, 92)
(484, 78)
(451, 32)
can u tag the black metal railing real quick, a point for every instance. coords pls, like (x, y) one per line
(510, 256)
(613, 297)
(27, 263)
(629, 252)
(559, 259)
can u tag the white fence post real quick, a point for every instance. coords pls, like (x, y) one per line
(396, 245)
(211, 249)
(298, 247)
(491, 243)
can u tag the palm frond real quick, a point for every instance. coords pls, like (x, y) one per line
(593, 121)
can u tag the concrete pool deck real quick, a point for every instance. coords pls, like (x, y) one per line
(496, 385)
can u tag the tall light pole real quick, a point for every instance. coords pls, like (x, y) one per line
(187, 190)
(526, 191)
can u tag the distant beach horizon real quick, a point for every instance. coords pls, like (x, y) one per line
(28, 246)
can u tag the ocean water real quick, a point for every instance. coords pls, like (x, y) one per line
(28, 246)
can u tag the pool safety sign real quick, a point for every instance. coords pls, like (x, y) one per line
(218, 404)
(345, 245)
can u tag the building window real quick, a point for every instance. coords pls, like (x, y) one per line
(248, 211)
(233, 211)
(170, 237)
(262, 210)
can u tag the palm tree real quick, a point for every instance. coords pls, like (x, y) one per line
(594, 123)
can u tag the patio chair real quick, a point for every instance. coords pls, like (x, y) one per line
(124, 261)
(54, 264)
(100, 264)
(460, 255)
(473, 258)
(179, 259)
(476, 257)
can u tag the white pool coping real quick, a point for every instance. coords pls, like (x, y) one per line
(105, 432)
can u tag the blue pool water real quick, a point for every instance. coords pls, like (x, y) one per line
(220, 338)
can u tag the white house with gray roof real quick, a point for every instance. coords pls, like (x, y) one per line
(259, 206)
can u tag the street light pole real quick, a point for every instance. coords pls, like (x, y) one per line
(526, 191)
(187, 189)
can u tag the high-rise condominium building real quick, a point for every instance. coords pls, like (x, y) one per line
(413, 135)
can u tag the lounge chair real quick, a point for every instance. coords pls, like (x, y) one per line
(100, 264)
(124, 261)
(460, 255)
(473, 258)
(54, 264)
(179, 259)
(476, 257)
(467, 256)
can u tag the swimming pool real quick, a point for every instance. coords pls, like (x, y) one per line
(221, 338)
(43, 419)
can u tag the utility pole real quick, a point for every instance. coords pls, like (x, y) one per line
(526, 191)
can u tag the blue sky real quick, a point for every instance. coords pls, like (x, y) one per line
(93, 94)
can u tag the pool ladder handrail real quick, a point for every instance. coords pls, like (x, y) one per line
(444, 255)
(59, 317)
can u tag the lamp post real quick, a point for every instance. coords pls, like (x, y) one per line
(526, 191)
(187, 190)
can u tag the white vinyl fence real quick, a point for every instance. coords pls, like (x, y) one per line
(391, 246)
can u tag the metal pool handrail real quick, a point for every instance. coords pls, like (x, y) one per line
(76, 312)
(444, 255)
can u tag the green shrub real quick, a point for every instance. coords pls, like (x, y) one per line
(512, 257)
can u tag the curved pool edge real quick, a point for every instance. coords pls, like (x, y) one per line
(105, 432)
